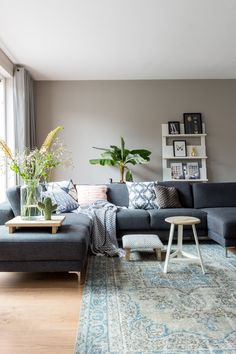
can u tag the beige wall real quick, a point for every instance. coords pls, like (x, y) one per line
(97, 113)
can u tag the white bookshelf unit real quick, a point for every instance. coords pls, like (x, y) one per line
(196, 141)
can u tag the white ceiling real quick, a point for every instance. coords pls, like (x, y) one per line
(121, 39)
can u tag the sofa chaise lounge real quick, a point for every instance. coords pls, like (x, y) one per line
(38, 251)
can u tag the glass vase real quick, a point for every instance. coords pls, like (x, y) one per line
(30, 195)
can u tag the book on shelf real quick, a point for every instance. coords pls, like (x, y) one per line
(188, 170)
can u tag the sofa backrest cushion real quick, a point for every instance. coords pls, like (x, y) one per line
(13, 195)
(117, 193)
(184, 191)
(214, 195)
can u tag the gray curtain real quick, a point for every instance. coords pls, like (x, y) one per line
(24, 110)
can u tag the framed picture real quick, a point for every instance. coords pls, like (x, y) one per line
(177, 170)
(179, 148)
(174, 128)
(192, 123)
(192, 170)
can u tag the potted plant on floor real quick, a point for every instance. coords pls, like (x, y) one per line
(121, 157)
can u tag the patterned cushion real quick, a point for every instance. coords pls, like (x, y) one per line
(141, 241)
(66, 186)
(65, 203)
(141, 195)
(62, 193)
(88, 194)
(167, 197)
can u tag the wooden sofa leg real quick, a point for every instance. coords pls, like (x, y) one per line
(127, 254)
(226, 251)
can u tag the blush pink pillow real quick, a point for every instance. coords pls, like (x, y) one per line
(89, 194)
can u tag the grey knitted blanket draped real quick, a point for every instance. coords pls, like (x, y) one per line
(103, 239)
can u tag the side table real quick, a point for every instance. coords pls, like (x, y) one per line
(179, 254)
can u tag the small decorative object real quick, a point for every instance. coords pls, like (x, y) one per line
(177, 170)
(174, 128)
(192, 170)
(34, 166)
(121, 156)
(47, 208)
(192, 123)
(179, 148)
(193, 152)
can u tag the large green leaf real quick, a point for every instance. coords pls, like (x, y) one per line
(142, 152)
(122, 150)
(129, 176)
(135, 159)
(102, 162)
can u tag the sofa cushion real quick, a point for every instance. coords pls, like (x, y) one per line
(69, 243)
(132, 219)
(158, 217)
(222, 221)
(5, 212)
(184, 191)
(214, 195)
(117, 193)
(13, 195)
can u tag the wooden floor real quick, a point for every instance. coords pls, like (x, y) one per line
(39, 313)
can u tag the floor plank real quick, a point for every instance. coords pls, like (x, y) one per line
(39, 313)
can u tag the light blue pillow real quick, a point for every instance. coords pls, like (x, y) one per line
(63, 194)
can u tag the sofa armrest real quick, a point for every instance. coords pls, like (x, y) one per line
(5, 212)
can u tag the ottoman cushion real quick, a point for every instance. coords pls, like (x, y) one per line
(141, 241)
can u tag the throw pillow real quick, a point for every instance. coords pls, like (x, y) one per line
(64, 194)
(141, 195)
(65, 203)
(66, 186)
(167, 197)
(88, 194)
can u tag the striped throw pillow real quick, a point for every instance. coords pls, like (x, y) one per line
(89, 194)
(167, 197)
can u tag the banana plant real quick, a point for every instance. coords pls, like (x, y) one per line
(121, 157)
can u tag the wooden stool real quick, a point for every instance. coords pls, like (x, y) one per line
(179, 253)
(142, 241)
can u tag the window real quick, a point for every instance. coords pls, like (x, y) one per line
(2, 136)
(7, 178)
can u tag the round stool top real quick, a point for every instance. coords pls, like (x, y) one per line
(183, 220)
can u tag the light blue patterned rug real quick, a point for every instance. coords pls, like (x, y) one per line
(133, 307)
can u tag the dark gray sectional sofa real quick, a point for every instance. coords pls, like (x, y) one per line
(37, 250)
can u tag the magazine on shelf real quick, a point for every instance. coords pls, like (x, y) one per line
(177, 170)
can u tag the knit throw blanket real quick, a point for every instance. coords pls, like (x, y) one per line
(103, 239)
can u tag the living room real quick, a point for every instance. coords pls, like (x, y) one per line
(102, 71)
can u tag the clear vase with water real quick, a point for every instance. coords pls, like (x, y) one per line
(30, 195)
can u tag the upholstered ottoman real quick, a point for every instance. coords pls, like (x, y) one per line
(140, 241)
(38, 250)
